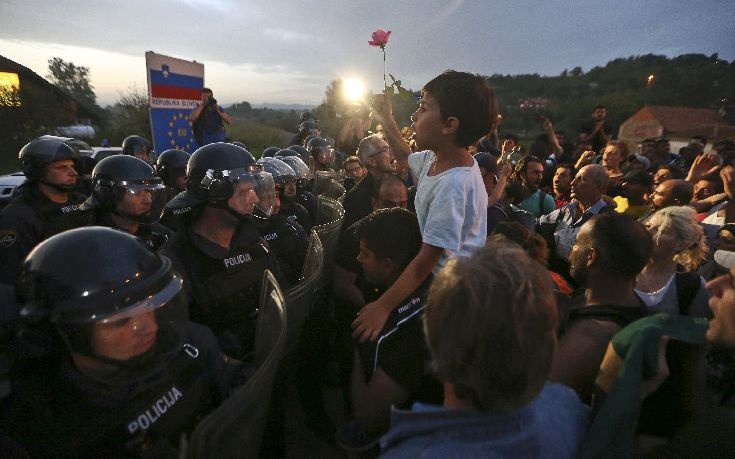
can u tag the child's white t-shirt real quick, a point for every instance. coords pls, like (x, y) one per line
(451, 207)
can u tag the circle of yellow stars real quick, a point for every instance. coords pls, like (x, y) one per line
(175, 128)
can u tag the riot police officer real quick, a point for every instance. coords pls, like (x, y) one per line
(138, 146)
(129, 196)
(47, 202)
(286, 237)
(321, 154)
(297, 201)
(171, 167)
(218, 250)
(103, 370)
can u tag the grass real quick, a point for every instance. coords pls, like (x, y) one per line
(257, 136)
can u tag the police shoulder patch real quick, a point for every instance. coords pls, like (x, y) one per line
(8, 237)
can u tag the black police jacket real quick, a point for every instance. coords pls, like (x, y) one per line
(29, 219)
(289, 243)
(152, 235)
(223, 285)
(296, 213)
(140, 411)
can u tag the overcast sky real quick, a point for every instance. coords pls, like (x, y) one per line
(287, 51)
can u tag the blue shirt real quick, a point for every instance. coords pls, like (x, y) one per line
(550, 426)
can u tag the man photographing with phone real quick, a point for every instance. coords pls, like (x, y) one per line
(208, 120)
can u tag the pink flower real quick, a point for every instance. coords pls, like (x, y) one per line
(380, 38)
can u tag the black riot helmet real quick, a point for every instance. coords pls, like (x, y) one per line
(214, 172)
(282, 153)
(42, 151)
(321, 152)
(302, 151)
(135, 145)
(172, 164)
(89, 276)
(270, 152)
(307, 115)
(129, 187)
(303, 174)
(240, 144)
(308, 128)
(282, 173)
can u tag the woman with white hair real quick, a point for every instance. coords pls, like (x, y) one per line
(669, 282)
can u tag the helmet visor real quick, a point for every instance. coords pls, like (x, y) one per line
(142, 200)
(150, 303)
(254, 191)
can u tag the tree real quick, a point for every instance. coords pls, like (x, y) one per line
(128, 116)
(72, 79)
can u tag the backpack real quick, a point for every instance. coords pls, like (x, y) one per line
(514, 213)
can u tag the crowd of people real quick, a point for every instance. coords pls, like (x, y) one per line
(572, 298)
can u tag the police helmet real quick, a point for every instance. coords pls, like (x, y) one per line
(118, 176)
(307, 128)
(240, 144)
(302, 151)
(321, 151)
(135, 145)
(171, 164)
(215, 169)
(282, 173)
(307, 115)
(92, 275)
(270, 152)
(285, 152)
(41, 151)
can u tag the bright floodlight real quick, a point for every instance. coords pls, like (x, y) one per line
(353, 88)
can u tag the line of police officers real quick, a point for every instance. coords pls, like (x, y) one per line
(103, 358)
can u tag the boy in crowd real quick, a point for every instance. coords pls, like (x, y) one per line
(455, 110)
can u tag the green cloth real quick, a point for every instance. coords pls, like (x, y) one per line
(612, 431)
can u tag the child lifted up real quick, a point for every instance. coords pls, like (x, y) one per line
(455, 110)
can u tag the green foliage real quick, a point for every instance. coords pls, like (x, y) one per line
(72, 79)
(690, 80)
(287, 120)
(257, 136)
(128, 116)
(40, 111)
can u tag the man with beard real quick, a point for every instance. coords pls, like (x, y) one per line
(528, 174)
(562, 184)
(609, 252)
(674, 192)
(45, 205)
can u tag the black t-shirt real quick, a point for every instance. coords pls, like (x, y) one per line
(357, 202)
(223, 284)
(400, 349)
(599, 140)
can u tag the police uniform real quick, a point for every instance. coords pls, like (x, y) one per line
(30, 218)
(400, 350)
(297, 213)
(289, 242)
(153, 235)
(138, 410)
(223, 284)
(310, 203)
